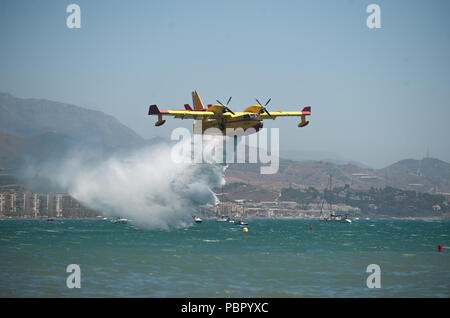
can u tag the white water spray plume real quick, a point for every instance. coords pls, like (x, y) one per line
(144, 185)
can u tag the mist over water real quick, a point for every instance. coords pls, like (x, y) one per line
(144, 185)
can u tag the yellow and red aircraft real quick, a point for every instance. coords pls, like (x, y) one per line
(221, 117)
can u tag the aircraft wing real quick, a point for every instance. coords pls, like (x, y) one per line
(305, 112)
(183, 114)
(273, 115)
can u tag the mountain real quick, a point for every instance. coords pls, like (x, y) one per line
(305, 173)
(33, 117)
(427, 175)
(431, 168)
(304, 155)
(37, 131)
(12, 149)
(239, 191)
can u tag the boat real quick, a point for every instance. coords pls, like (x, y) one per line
(226, 218)
(240, 222)
(338, 218)
(332, 217)
(120, 220)
(223, 218)
(197, 219)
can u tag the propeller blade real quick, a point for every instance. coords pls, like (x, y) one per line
(230, 110)
(225, 108)
(265, 109)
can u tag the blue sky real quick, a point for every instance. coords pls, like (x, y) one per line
(377, 95)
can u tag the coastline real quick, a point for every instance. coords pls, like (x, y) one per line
(46, 218)
(361, 218)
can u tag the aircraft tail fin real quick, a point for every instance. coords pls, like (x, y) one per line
(153, 110)
(197, 101)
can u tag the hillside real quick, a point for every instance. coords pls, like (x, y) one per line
(379, 202)
(36, 131)
(33, 117)
(433, 175)
(12, 149)
(243, 191)
(428, 167)
(305, 173)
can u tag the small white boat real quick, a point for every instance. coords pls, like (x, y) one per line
(197, 219)
(223, 218)
(240, 222)
(120, 220)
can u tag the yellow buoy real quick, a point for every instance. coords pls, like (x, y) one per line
(245, 230)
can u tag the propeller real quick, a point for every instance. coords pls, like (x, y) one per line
(225, 108)
(264, 109)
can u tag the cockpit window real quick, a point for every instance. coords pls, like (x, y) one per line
(248, 116)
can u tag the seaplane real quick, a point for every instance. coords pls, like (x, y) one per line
(223, 119)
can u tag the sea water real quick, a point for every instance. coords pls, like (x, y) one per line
(276, 258)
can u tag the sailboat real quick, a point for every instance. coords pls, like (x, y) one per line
(331, 216)
(222, 218)
(226, 218)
